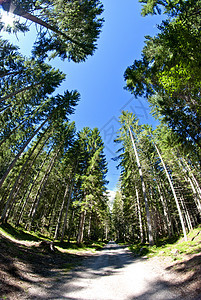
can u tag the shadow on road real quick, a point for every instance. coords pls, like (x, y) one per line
(56, 281)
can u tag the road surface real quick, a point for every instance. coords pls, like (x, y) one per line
(112, 274)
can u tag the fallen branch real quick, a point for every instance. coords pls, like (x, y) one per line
(195, 235)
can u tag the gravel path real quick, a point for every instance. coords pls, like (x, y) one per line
(112, 274)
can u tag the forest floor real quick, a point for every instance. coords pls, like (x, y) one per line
(30, 270)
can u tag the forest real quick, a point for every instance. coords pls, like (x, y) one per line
(53, 177)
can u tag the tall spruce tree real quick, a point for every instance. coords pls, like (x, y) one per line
(69, 29)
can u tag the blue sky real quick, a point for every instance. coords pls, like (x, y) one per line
(100, 80)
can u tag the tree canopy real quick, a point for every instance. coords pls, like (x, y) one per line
(68, 29)
(169, 72)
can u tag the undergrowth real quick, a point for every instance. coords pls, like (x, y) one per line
(19, 234)
(174, 247)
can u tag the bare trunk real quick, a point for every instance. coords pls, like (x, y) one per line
(4, 74)
(165, 211)
(196, 196)
(60, 213)
(81, 227)
(38, 21)
(33, 114)
(150, 233)
(139, 215)
(174, 193)
(24, 204)
(20, 152)
(67, 208)
(5, 215)
(186, 213)
(15, 93)
(36, 177)
(193, 183)
(89, 227)
(41, 188)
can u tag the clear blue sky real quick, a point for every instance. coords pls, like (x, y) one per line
(100, 80)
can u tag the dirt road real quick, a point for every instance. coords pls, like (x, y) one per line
(112, 274)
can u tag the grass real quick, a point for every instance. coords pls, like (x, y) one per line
(19, 234)
(73, 247)
(175, 247)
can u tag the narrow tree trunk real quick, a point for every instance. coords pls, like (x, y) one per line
(67, 208)
(186, 213)
(150, 233)
(4, 74)
(23, 206)
(190, 174)
(23, 122)
(196, 196)
(165, 211)
(70, 230)
(89, 227)
(81, 227)
(194, 185)
(174, 193)
(41, 188)
(38, 21)
(36, 177)
(17, 180)
(20, 152)
(60, 213)
(15, 93)
(139, 215)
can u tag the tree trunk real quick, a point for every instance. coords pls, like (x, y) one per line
(174, 193)
(70, 229)
(36, 177)
(17, 180)
(4, 74)
(165, 211)
(15, 93)
(38, 21)
(24, 204)
(41, 188)
(20, 152)
(194, 185)
(67, 208)
(139, 215)
(23, 122)
(60, 213)
(81, 227)
(89, 227)
(150, 233)
(186, 213)
(196, 196)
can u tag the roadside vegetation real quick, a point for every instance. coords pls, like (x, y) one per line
(28, 259)
(175, 248)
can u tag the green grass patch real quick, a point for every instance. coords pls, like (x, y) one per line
(20, 234)
(73, 247)
(175, 247)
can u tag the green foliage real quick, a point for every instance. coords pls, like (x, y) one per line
(156, 158)
(69, 29)
(118, 218)
(18, 233)
(49, 174)
(173, 247)
(169, 71)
